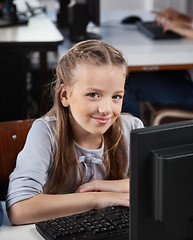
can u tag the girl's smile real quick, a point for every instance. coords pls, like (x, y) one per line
(101, 120)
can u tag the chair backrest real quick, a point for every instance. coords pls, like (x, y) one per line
(12, 139)
(171, 115)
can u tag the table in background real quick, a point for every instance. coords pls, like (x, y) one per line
(141, 52)
(40, 35)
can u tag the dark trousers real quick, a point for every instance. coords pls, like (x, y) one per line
(160, 87)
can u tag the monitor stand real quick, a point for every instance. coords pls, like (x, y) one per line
(7, 22)
(91, 35)
(77, 23)
(85, 36)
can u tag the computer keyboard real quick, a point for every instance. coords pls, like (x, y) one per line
(107, 223)
(152, 30)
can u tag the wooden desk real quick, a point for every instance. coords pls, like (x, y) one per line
(40, 35)
(142, 53)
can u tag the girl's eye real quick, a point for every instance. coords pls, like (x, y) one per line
(117, 97)
(93, 95)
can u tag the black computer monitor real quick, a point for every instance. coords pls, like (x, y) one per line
(80, 13)
(161, 182)
(5, 8)
(9, 15)
(94, 11)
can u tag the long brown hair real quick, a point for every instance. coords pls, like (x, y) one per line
(99, 54)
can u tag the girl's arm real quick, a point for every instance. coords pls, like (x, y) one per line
(46, 206)
(106, 186)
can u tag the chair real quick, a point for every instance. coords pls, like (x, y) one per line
(159, 114)
(12, 138)
(171, 115)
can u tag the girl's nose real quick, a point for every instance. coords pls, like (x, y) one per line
(105, 107)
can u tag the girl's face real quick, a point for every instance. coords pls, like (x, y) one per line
(95, 99)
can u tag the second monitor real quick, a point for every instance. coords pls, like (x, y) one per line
(80, 13)
(9, 15)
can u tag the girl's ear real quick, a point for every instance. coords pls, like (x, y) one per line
(64, 96)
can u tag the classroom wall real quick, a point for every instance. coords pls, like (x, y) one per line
(121, 4)
(183, 5)
(179, 4)
(143, 4)
(189, 7)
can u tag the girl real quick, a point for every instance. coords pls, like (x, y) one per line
(76, 156)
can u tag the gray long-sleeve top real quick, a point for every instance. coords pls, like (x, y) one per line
(34, 163)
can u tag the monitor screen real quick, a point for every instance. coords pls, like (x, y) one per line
(161, 182)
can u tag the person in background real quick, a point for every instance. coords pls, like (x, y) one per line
(76, 157)
(174, 88)
(172, 19)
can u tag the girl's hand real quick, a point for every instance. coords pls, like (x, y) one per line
(105, 186)
(108, 192)
(107, 199)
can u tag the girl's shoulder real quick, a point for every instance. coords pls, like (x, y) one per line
(43, 127)
(130, 122)
(48, 122)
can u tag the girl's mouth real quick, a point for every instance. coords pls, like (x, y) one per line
(101, 120)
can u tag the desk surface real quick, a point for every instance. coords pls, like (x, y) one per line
(141, 52)
(40, 32)
(9, 232)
